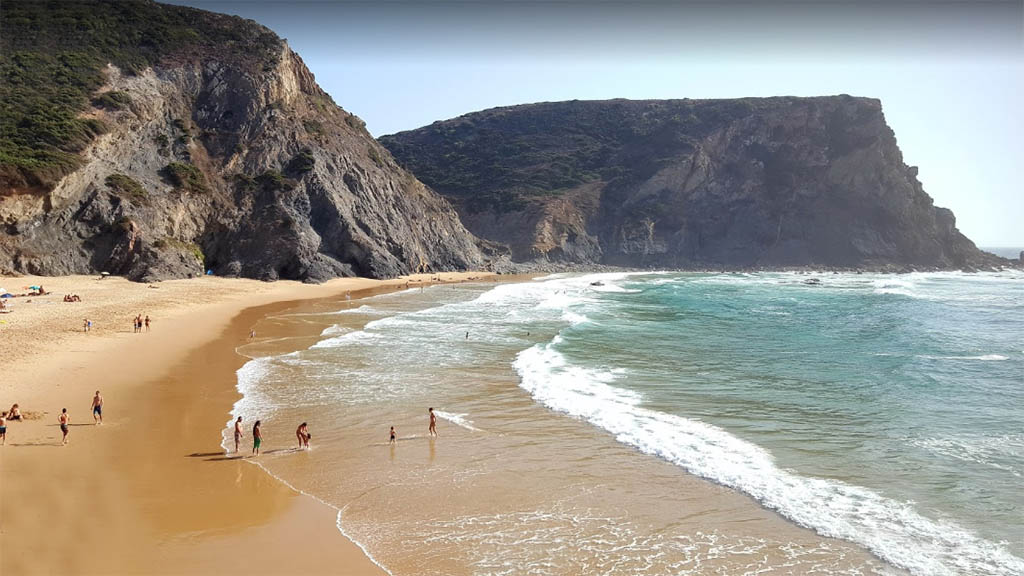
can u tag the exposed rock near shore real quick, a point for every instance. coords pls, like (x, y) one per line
(220, 153)
(748, 183)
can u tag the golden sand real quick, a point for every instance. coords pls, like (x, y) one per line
(149, 491)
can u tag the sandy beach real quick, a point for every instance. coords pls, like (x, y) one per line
(150, 491)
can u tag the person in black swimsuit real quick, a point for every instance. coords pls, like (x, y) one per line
(64, 420)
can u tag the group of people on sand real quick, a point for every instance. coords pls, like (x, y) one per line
(64, 419)
(139, 322)
(72, 298)
(32, 291)
(303, 435)
(5, 308)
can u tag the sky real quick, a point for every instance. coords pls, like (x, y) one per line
(949, 73)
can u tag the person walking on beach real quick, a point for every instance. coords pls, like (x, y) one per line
(257, 438)
(433, 422)
(86, 324)
(147, 323)
(3, 428)
(97, 408)
(393, 439)
(238, 433)
(302, 433)
(64, 420)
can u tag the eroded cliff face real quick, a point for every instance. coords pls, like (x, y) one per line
(770, 182)
(245, 170)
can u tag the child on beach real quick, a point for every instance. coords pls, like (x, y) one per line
(14, 413)
(392, 441)
(3, 428)
(64, 420)
(257, 438)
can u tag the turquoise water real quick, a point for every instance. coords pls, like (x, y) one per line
(911, 387)
(884, 410)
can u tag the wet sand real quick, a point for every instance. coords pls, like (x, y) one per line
(525, 491)
(150, 491)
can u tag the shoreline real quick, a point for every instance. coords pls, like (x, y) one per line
(732, 510)
(166, 507)
(183, 513)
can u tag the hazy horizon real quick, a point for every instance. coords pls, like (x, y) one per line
(950, 74)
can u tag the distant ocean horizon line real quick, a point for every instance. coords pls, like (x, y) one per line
(1011, 252)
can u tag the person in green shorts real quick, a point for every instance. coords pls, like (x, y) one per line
(257, 438)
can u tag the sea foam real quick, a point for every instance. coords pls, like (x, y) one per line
(457, 419)
(893, 530)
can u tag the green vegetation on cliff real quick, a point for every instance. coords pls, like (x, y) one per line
(185, 177)
(127, 187)
(52, 57)
(112, 100)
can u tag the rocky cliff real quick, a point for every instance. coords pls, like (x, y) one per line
(159, 141)
(768, 182)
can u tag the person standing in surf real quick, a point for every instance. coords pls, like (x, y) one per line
(393, 438)
(257, 438)
(302, 433)
(238, 433)
(433, 422)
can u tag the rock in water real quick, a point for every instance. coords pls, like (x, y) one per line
(159, 141)
(689, 183)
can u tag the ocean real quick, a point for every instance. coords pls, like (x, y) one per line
(661, 423)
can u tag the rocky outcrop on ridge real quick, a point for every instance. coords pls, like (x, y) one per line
(747, 183)
(215, 150)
